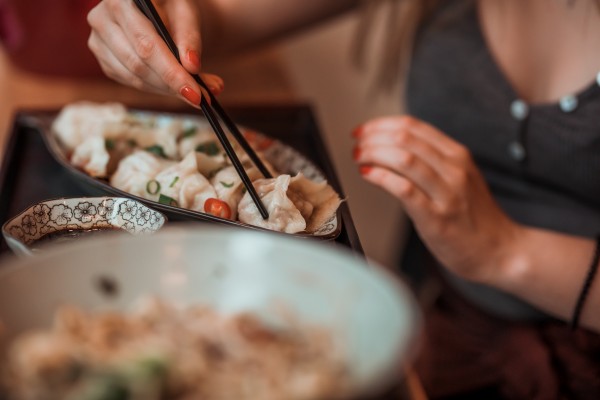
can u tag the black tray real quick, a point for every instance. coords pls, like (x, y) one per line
(30, 174)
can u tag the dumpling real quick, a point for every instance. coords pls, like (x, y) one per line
(294, 204)
(229, 186)
(248, 163)
(317, 201)
(284, 216)
(158, 135)
(210, 165)
(92, 157)
(183, 184)
(136, 171)
(199, 137)
(79, 121)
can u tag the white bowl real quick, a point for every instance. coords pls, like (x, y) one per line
(73, 217)
(372, 315)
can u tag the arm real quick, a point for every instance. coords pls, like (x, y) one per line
(234, 24)
(130, 51)
(453, 211)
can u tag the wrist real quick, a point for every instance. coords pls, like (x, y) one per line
(512, 262)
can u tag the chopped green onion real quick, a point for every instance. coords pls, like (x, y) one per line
(189, 132)
(227, 185)
(153, 187)
(208, 148)
(166, 200)
(109, 144)
(157, 150)
(174, 182)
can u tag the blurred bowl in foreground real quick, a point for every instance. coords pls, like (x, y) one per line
(370, 314)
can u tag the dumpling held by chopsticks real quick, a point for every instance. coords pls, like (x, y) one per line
(294, 204)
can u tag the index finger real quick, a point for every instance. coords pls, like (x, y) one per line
(417, 127)
(153, 52)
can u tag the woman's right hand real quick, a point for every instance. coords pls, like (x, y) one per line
(131, 52)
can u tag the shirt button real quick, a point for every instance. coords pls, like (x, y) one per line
(517, 151)
(519, 110)
(568, 103)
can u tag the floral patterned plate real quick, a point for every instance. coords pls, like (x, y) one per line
(61, 220)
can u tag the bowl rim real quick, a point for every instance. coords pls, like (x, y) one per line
(27, 210)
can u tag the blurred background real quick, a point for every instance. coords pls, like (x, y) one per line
(313, 67)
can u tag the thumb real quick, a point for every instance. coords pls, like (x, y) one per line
(184, 21)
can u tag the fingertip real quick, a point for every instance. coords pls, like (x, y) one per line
(356, 152)
(358, 131)
(214, 83)
(193, 63)
(191, 96)
(365, 169)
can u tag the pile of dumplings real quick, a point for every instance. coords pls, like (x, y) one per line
(180, 162)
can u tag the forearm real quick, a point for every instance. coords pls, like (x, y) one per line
(230, 25)
(548, 269)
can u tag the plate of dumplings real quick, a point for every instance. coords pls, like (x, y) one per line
(175, 163)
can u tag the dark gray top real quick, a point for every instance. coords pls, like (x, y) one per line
(542, 161)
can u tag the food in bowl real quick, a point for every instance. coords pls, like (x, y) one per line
(288, 284)
(165, 352)
(179, 162)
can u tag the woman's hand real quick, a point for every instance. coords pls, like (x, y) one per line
(442, 192)
(131, 52)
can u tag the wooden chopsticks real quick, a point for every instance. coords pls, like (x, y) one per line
(147, 8)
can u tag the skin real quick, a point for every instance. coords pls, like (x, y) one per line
(433, 176)
(443, 192)
(131, 52)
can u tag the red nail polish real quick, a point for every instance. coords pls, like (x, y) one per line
(190, 95)
(356, 153)
(365, 169)
(357, 132)
(194, 58)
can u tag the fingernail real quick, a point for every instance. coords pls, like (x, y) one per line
(356, 153)
(194, 58)
(365, 169)
(190, 95)
(357, 132)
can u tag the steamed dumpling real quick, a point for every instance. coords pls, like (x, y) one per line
(284, 216)
(316, 201)
(79, 121)
(230, 188)
(184, 184)
(136, 170)
(92, 157)
(158, 133)
(196, 135)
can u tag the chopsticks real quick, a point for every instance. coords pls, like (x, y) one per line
(147, 8)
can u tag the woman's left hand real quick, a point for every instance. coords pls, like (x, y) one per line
(441, 190)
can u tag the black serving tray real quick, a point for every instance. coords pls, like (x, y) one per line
(30, 173)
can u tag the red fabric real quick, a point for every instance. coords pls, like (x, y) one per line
(49, 36)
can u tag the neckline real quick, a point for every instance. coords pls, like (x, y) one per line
(511, 91)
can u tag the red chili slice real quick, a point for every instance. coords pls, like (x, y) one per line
(217, 207)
